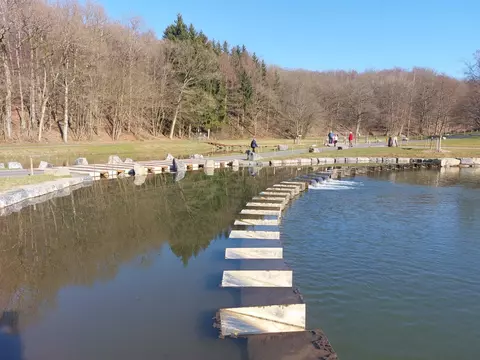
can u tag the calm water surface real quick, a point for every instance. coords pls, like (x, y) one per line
(118, 271)
(390, 265)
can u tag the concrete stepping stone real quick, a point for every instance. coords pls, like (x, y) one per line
(262, 319)
(302, 184)
(251, 234)
(270, 199)
(253, 222)
(254, 253)
(286, 196)
(265, 205)
(257, 278)
(260, 212)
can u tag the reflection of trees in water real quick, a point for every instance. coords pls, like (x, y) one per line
(433, 177)
(85, 237)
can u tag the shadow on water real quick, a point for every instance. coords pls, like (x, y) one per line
(10, 341)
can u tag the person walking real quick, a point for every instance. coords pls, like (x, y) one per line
(335, 140)
(253, 144)
(350, 139)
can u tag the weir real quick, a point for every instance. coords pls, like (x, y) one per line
(272, 315)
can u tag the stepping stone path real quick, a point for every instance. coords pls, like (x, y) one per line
(274, 318)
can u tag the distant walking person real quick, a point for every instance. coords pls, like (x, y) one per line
(330, 137)
(390, 141)
(335, 140)
(350, 139)
(253, 144)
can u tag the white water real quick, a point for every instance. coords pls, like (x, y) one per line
(335, 185)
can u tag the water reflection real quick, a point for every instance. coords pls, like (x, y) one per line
(467, 177)
(389, 269)
(104, 250)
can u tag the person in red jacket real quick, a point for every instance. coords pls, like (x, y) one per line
(350, 139)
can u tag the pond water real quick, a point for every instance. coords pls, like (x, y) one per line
(116, 271)
(389, 265)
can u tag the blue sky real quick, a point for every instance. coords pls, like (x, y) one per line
(329, 34)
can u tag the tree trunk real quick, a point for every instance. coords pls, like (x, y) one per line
(44, 105)
(65, 106)
(8, 95)
(33, 119)
(177, 111)
(357, 129)
(20, 85)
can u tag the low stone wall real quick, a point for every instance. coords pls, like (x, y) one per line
(14, 200)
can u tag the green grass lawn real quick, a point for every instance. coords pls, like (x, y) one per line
(9, 183)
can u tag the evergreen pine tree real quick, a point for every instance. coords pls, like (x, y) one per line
(177, 31)
(244, 49)
(264, 70)
(225, 47)
(255, 59)
(192, 32)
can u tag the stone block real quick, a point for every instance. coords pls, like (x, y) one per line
(416, 161)
(340, 160)
(304, 161)
(329, 160)
(321, 160)
(196, 156)
(60, 171)
(275, 162)
(447, 162)
(389, 160)
(314, 161)
(140, 170)
(80, 161)
(210, 164)
(43, 165)
(114, 159)
(403, 160)
(282, 147)
(351, 160)
(14, 165)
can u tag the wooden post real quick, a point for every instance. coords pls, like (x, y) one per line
(31, 166)
(208, 133)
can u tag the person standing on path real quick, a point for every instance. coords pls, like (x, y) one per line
(335, 140)
(350, 139)
(253, 144)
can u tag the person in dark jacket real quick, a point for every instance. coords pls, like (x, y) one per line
(253, 144)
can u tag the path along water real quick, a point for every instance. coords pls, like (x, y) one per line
(388, 265)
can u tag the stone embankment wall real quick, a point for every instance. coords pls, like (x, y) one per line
(24, 196)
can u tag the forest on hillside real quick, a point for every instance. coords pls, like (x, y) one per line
(69, 71)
